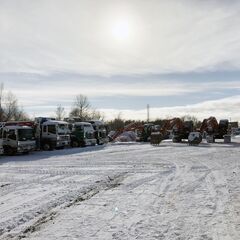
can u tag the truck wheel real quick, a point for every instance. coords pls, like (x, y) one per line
(60, 148)
(75, 144)
(47, 147)
(83, 144)
(10, 151)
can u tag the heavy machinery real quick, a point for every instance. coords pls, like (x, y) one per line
(52, 134)
(144, 133)
(211, 130)
(180, 130)
(82, 134)
(17, 137)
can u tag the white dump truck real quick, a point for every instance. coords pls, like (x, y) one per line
(52, 134)
(17, 137)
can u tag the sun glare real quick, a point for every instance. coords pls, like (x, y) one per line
(120, 30)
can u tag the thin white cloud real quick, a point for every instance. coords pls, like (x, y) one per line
(226, 108)
(64, 93)
(75, 35)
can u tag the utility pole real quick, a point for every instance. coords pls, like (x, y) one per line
(148, 107)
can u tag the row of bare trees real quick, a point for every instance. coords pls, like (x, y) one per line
(81, 109)
(9, 107)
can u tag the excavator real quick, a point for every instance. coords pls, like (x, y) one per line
(211, 129)
(179, 128)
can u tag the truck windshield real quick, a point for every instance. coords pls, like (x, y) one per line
(78, 128)
(89, 132)
(25, 134)
(62, 129)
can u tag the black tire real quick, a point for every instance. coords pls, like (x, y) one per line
(60, 148)
(75, 143)
(82, 144)
(25, 153)
(46, 146)
(10, 151)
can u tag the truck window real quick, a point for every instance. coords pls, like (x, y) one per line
(4, 134)
(52, 129)
(44, 128)
(12, 135)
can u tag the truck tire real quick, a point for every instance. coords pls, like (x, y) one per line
(10, 151)
(47, 146)
(75, 144)
(82, 144)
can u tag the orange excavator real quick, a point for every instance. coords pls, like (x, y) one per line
(179, 128)
(211, 129)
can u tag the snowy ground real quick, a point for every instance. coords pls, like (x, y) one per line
(123, 191)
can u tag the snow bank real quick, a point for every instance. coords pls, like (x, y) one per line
(128, 136)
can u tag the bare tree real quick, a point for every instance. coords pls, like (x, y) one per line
(97, 115)
(1, 102)
(9, 108)
(81, 108)
(117, 123)
(60, 112)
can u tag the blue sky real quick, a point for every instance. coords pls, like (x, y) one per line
(181, 57)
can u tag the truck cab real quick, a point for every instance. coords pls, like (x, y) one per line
(52, 134)
(82, 134)
(17, 139)
(100, 131)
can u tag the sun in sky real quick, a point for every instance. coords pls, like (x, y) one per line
(121, 30)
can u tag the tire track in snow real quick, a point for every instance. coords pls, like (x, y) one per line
(50, 208)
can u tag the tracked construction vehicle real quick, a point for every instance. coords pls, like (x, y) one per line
(52, 134)
(144, 132)
(17, 137)
(82, 134)
(179, 129)
(211, 130)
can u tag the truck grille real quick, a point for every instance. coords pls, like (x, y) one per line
(63, 138)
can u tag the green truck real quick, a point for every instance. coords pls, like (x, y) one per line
(82, 134)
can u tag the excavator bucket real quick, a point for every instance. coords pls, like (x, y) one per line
(194, 138)
(156, 138)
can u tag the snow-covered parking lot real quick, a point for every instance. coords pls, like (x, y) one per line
(123, 191)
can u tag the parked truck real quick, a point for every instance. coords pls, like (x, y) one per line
(52, 134)
(100, 131)
(17, 137)
(82, 134)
